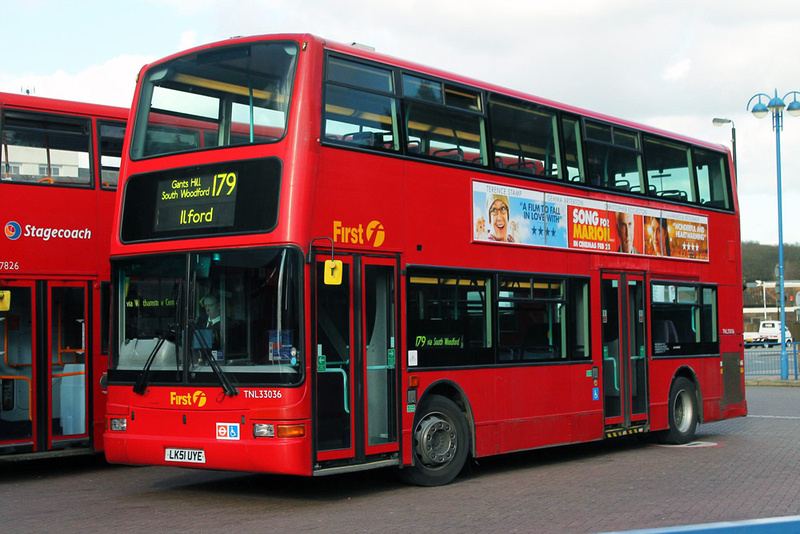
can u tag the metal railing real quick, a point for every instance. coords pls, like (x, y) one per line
(767, 362)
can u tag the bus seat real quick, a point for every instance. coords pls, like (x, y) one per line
(455, 154)
(505, 354)
(622, 185)
(673, 194)
(364, 138)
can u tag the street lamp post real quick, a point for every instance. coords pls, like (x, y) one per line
(763, 285)
(776, 106)
(719, 122)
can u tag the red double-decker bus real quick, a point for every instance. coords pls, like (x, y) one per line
(327, 260)
(59, 166)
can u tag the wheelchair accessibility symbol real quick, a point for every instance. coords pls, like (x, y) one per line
(228, 431)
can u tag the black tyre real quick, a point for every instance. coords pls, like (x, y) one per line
(683, 415)
(440, 443)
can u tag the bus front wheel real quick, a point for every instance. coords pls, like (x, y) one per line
(440, 443)
(683, 414)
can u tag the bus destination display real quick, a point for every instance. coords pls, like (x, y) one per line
(207, 200)
(233, 197)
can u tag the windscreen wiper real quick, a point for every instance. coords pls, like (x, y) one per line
(229, 389)
(141, 383)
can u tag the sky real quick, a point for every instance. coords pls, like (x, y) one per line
(671, 64)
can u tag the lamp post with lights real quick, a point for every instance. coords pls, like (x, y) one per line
(720, 122)
(776, 105)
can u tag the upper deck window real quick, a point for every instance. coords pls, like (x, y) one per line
(525, 137)
(45, 149)
(360, 109)
(712, 179)
(613, 156)
(111, 137)
(229, 96)
(668, 174)
(444, 120)
(360, 75)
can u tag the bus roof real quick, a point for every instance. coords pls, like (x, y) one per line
(30, 102)
(360, 51)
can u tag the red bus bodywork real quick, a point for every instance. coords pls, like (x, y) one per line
(57, 192)
(388, 218)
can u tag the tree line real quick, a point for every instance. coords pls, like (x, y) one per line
(759, 262)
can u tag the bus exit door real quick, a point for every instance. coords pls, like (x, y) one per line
(355, 367)
(43, 367)
(624, 352)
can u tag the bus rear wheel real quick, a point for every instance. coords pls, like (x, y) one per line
(683, 414)
(440, 443)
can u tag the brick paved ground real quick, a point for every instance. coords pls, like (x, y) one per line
(752, 472)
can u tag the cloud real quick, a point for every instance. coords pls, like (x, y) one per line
(111, 83)
(678, 70)
(188, 40)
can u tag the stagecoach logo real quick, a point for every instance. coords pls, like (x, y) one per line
(373, 234)
(13, 230)
(196, 399)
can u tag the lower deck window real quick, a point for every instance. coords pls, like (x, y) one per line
(448, 318)
(684, 319)
(461, 319)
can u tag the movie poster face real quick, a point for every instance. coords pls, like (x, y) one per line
(525, 217)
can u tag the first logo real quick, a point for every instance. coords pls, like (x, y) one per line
(13, 230)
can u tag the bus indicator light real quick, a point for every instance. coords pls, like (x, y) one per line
(291, 431)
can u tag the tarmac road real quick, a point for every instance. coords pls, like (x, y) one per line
(743, 469)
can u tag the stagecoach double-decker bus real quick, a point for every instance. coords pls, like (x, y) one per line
(59, 167)
(326, 259)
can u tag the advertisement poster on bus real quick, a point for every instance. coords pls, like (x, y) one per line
(590, 225)
(526, 217)
(513, 215)
(687, 236)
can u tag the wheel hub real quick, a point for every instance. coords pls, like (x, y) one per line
(437, 440)
(683, 410)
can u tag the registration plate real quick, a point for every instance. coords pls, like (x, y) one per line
(192, 456)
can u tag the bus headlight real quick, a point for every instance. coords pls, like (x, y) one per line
(263, 430)
(118, 424)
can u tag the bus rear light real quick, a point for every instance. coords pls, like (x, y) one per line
(118, 424)
(263, 430)
(291, 431)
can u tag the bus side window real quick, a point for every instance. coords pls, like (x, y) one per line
(359, 107)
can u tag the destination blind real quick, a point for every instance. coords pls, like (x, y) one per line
(225, 198)
(207, 200)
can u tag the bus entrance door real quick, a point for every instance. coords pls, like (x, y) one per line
(67, 364)
(43, 366)
(624, 353)
(18, 345)
(355, 369)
